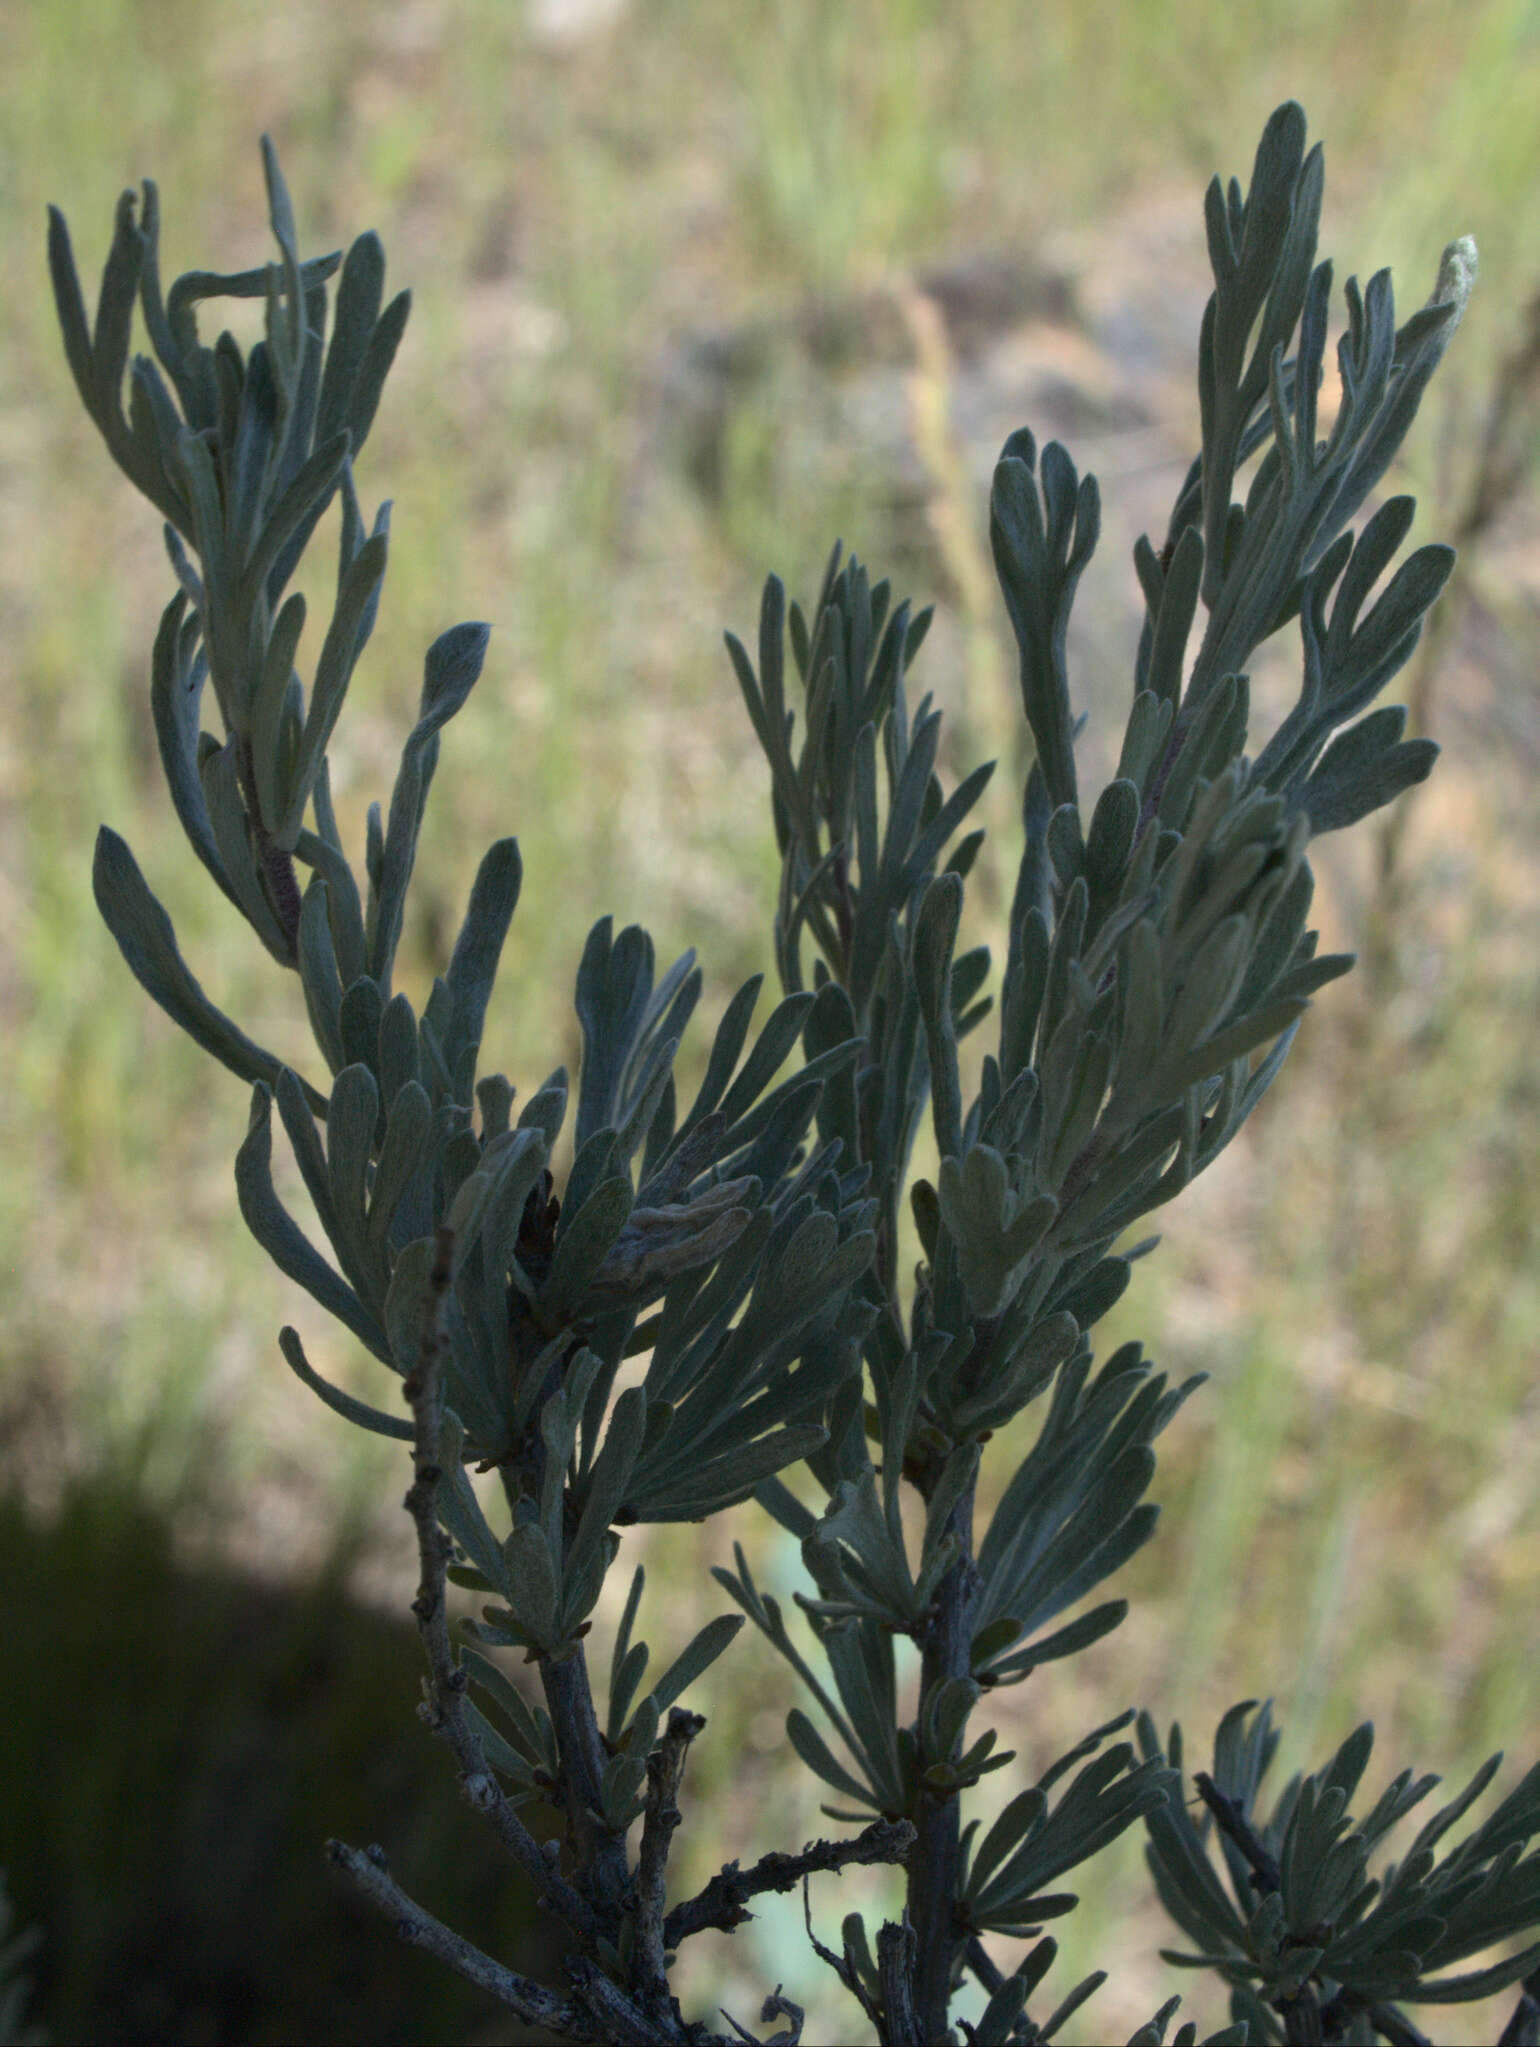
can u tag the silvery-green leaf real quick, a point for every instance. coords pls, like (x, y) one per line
(356, 1411)
(1236, 1039)
(1210, 984)
(407, 1131)
(957, 1475)
(406, 1301)
(147, 942)
(358, 1021)
(360, 289)
(815, 1753)
(1110, 840)
(528, 1569)
(333, 672)
(609, 1478)
(1364, 768)
(1040, 548)
(935, 935)
(283, 1240)
(529, 1725)
(1066, 1641)
(732, 1032)
(350, 1125)
(994, 1231)
(70, 305)
(855, 1520)
(318, 972)
(627, 1674)
(176, 691)
(501, 1755)
(771, 1049)
(1105, 1798)
(233, 836)
(641, 1735)
(473, 966)
(695, 1659)
(724, 1481)
(272, 696)
(399, 1058)
(308, 493)
(583, 1242)
(460, 1511)
(322, 851)
(618, 1788)
(996, 2024)
(1173, 624)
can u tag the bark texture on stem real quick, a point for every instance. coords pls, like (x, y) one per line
(934, 1859)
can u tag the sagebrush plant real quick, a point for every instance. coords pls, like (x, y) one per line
(744, 1254)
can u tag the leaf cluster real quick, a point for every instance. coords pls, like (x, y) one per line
(707, 1308)
(1313, 1946)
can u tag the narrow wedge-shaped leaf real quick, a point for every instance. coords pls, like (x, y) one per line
(529, 1726)
(71, 306)
(614, 982)
(356, 1411)
(277, 690)
(303, 502)
(147, 942)
(322, 851)
(816, 1754)
(608, 1481)
(694, 1660)
(1479, 1983)
(628, 1665)
(732, 1033)
(460, 1510)
(319, 976)
(400, 1049)
(114, 324)
(176, 692)
(530, 1571)
(234, 837)
(1233, 1042)
(935, 935)
(375, 367)
(283, 1240)
(1173, 626)
(1065, 1641)
(583, 1244)
(407, 1300)
(351, 1118)
(1365, 768)
(1012, 1825)
(408, 1129)
(360, 291)
(449, 672)
(333, 672)
(771, 1049)
(724, 1481)
(473, 964)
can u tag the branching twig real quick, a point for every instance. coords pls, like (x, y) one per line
(897, 1966)
(367, 1869)
(1234, 1825)
(617, 2019)
(665, 1769)
(841, 1966)
(721, 1903)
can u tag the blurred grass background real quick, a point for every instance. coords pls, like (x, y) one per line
(697, 287)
